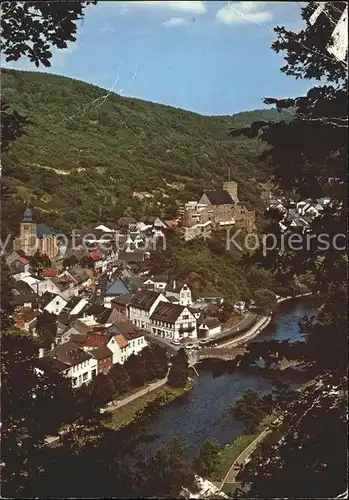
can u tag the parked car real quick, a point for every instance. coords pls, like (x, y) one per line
(175, 342)
(189, 346)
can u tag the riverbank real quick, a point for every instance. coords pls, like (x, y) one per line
(139, 407)
(260, 325)
(232, 452)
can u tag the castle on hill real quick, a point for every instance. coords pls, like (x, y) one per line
(33, 237)
(216, 210)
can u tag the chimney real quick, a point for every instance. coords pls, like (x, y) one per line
(41, 352)
(174, 284)
(52, 346)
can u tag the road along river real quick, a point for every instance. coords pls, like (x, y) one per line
(204, 412)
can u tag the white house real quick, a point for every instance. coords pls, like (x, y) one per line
(240, 307)
(157, 283)
(122, 346)
(41, 285)
(210, 326)
(142, 305)
(173, 321)
(52, 303)
(71, 361)
(180, 292)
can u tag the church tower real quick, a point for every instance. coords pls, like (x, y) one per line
(28, 232)
(232, 188)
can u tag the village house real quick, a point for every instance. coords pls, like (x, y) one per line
(71, 361)
(75, 306)
(51, 302)
(104, 357)
(121, 302)
(211, 297)
(125, 340)
(173, 321)
(24, 300)
(40, 285)
(79, 277)
(142, 305)
(208, 327)
(157, 283)
(25, 319)
(240, 307)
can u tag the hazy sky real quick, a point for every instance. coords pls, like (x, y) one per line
(210, 57)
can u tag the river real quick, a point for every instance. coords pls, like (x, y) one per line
(204, 412)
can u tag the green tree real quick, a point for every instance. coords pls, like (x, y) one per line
(31, 29)
(156, 361)
(34, 406)
(179, 371)
(46, 261)
(266, 300)
(69, 261)
(101, 391)
(208, 457)
(46, 329)
(87, 261)
(35, 261)
(6, 296)
(250, 409)
(136, 369)
(120, 378)
(309, 155)
(169, 470)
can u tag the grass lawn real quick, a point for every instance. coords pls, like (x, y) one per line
(233, 450)
(124, 415)
(230, 453)
(234, 319)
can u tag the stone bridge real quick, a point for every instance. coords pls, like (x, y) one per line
(226, 354)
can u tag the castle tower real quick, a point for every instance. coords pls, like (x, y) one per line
(232, 189)
(28, 232)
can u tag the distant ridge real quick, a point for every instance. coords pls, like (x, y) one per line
(86, 157)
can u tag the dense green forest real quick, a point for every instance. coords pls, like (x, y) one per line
(87, 155)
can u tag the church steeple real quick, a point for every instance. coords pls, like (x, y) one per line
(28, 214)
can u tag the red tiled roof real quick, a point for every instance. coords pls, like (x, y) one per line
(23, 260)
(120, 340)
(49, 273)
(96, 340)
(171, 223)
(95, 255)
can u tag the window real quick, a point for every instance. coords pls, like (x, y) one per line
(75, 381)
(57, 302)
(185, 316)
(85, 376)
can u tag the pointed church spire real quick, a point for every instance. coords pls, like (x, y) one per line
(28, 215)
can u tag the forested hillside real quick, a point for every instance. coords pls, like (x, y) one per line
(89, 155)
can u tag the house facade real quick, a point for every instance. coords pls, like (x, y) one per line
(52, 303)
(142, 305)
(72, 362)
(173, 321)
